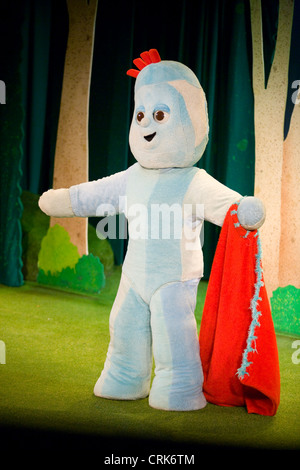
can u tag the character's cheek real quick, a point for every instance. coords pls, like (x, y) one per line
(135, 137)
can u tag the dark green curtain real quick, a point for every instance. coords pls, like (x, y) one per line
(269, 13)
(44, 34)
(11, 135)
(294, 68)
(212, 37)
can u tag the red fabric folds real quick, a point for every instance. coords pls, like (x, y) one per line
(237, 338)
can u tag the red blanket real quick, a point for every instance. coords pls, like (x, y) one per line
(237, 339)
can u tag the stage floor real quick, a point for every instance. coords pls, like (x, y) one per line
(56, 344)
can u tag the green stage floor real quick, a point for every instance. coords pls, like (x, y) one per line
(56, 344)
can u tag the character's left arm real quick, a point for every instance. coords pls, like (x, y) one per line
(217, 199)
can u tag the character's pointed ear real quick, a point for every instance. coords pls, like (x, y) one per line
(147, 57)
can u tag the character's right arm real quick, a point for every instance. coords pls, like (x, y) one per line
(95, 198)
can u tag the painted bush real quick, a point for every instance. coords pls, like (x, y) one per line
(60, 266)
(285, 304)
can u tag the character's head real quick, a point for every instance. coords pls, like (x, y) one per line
(170, 123)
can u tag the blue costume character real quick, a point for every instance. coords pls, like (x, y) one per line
(165, 199)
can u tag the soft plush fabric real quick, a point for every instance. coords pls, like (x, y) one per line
(237, 339)
(58, 202)
(165, 325)
(165, 199)
(181, 139)
(155, 304)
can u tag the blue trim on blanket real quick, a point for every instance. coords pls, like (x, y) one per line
(251, 340)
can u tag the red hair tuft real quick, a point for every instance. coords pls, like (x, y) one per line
(148, 57)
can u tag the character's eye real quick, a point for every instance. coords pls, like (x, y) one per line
(161, 116)
(140, 116)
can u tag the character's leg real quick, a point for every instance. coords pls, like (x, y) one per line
(178, 380)
(127, 370)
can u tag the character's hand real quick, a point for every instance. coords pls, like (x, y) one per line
(251, 213)
(56, 203)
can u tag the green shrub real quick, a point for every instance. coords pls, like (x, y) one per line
(61, 266)
(87, 276)
(285, 303)
(57, 252)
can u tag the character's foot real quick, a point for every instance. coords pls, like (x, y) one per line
(118, 388)
(165, 397)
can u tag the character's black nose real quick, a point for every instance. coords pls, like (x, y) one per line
(150, 136)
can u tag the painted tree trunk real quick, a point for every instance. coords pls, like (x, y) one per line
(71, 154)
(289, 269)
(274, 159)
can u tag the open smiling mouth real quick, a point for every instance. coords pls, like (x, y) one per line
(150, 136)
